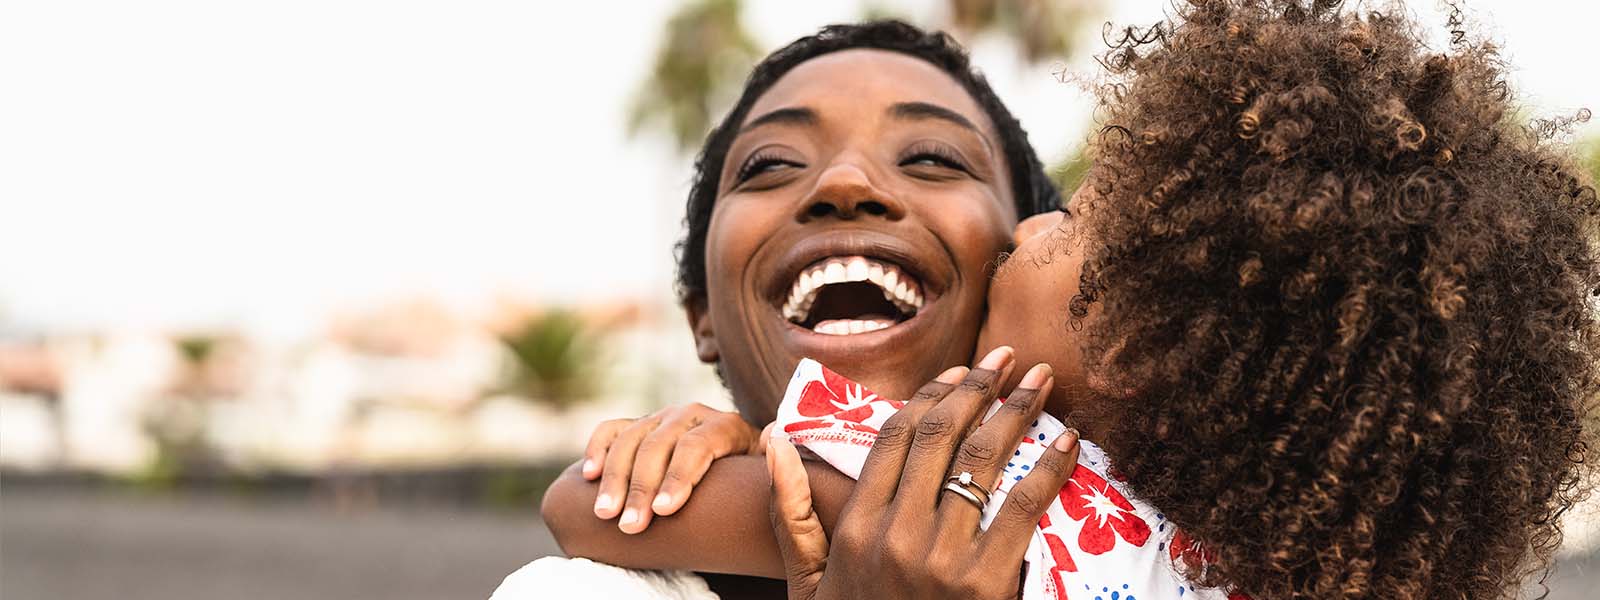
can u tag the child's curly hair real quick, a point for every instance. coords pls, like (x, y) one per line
(1353, 299)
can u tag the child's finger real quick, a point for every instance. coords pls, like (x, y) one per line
(801, 540)
(650, 466)
(690, 460)
(1006, 540)
(619, 466)
(723, 434)
(594, 456)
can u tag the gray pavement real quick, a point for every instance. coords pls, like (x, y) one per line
(60, 545)
(77, 545)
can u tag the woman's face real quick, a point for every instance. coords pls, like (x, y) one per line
(858, 209)
(1029, 296)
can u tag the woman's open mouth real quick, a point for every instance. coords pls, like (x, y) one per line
(849, 295)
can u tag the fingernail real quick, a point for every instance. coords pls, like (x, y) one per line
(952, 375)
(996, 358)
(629, 517)
(661, 502)
(1036, 377)
(604, 502)
(1067, 440)
(589, 467)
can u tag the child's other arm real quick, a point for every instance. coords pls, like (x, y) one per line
(724, 528)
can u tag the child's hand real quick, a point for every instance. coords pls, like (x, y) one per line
(632, 456)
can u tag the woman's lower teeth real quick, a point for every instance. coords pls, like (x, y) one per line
(851, 326)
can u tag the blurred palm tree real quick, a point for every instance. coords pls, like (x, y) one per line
(706, 53)
(1043, 30)
(554, 357)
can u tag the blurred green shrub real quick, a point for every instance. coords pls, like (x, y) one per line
(1069, 173)
(554, 358)
(1589, 155)
(195, 349)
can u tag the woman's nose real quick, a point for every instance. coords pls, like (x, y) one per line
(1036, 225)
(844, 191)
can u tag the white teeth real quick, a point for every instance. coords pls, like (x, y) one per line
(856, 269)
(834, 273)
(898, 288)
(851, 326)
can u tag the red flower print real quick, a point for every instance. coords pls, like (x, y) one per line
(1105, 513)
(834, 393)
(1060, 555)
(836, 402)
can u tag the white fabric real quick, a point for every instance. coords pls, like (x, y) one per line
(558, 577)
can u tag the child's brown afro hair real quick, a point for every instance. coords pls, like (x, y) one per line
(1354, 300)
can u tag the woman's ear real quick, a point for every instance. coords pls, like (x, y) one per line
(705, 339)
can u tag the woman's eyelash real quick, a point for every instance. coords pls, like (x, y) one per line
(938, 154)
(759, 162)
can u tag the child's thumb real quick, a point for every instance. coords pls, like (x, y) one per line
(800, 537)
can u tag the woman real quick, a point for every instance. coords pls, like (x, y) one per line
(874, 150)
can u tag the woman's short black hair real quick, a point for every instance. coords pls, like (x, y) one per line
(1033, 190)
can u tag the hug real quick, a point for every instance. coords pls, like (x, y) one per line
(1318, 323)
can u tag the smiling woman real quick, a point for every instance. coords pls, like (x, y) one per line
(847, 209)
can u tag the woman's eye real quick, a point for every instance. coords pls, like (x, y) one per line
(759, 166)
(929, 159)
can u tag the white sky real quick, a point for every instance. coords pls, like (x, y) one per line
(181, 163)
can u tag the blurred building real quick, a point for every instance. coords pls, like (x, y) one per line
(406, 384)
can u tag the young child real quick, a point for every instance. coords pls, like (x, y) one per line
(1326, 307)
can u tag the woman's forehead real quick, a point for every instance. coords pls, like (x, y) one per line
(867, 80)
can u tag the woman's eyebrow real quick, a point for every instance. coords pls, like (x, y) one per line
(790, 116)
(922, 110)
(916, 111)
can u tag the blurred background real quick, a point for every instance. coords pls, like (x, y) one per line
(313, 298)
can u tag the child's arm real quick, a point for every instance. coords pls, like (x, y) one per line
(724, 528)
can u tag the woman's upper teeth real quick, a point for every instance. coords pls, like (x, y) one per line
(898, 287)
